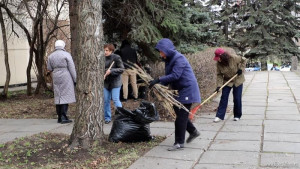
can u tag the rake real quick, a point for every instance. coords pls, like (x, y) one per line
(194, 110)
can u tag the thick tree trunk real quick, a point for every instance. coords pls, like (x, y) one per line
(5, 89)
(88, 126)
(73, 14)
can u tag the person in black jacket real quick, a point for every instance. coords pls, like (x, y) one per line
(112, 80)
(128, 56)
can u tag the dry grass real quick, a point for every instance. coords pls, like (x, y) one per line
(160, 92)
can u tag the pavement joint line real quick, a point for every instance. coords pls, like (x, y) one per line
(284, 119)
(297, 104)
(263, 124)
(239, 165)
(212, 141)
(228, 117)
(240, 132)
(276, 141)
(283, 132)
(171, 158)
(279, 152)
(244, 125)
(234, 150)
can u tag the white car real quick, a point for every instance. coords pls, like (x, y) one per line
(285, 68)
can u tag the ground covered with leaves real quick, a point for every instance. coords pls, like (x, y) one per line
(47, 150)
(21, 106)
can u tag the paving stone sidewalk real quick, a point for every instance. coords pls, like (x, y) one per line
(267, 136)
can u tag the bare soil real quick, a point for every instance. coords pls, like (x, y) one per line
(47, 150)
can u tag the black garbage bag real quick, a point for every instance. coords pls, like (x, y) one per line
(133, 126)
(124, 112)
(125, 129)
(146, 113)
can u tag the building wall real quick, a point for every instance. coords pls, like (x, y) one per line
(18, 54)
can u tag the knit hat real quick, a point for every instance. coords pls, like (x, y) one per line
(218, 53)
(60, 43)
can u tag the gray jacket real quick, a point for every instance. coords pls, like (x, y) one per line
(61, 64)
(113, 80)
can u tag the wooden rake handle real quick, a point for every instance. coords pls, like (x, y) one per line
(194, 110)
(112, 63)
(219, 89)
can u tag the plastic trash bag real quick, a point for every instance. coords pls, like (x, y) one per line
(146, 113)
(125, 129)
(133, 126)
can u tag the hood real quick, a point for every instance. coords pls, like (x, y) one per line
(166, 45)
(125, 43)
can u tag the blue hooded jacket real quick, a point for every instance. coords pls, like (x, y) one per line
(179, 73)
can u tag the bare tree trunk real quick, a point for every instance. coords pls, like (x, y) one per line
(28, 71)
(88, 126)
(73, 14)
(39, 61)
(264, 65)
(5, 89)
(294, 65)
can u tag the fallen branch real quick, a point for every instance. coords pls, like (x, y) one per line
(161, 92)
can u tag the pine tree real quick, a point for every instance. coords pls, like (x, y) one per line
(266, 28)
(147, 21)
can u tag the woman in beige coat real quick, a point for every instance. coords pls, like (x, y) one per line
(228, 66)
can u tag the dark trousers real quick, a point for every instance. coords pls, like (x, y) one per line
(61, 110)
(182, 124)
(237, 101)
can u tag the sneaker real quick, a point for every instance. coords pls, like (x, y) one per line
(217, 119)
(192, 136)
(176, 147)
(236, 119)
(107, 122)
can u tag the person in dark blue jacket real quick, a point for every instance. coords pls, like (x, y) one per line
(180, 76)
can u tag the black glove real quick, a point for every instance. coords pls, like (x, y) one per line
(217, 89)
(239, 72)
(153, 82)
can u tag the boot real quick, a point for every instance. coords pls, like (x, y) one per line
(58, 112)
(64, 111)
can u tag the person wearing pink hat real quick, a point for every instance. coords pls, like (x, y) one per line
(227, 66)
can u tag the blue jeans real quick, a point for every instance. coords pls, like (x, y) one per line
(237, 100)
(113, 94)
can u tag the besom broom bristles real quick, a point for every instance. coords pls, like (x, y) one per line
(161, 92)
